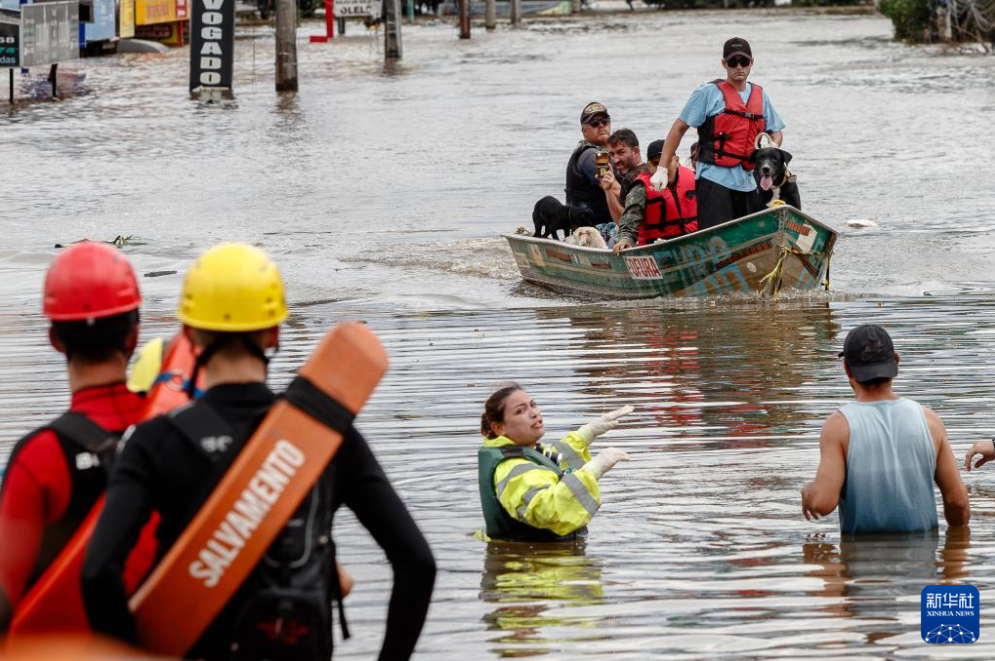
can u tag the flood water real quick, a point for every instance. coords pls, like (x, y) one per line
(380, 191)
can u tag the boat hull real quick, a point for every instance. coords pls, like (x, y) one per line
(767, 252)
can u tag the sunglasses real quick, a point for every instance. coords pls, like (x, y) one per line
(739, 62)
(598, 123)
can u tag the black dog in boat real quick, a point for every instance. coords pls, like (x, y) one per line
(551, 216)
(773, 177)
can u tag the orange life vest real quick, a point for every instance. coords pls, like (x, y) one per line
(671, 212)
(727, 139)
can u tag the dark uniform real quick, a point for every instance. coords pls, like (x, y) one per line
(161, 469)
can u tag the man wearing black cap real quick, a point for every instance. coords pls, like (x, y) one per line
(728, 114)
(583, 186)
(881, 454)
(651, 214)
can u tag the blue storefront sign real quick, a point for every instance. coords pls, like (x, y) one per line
(951, 614)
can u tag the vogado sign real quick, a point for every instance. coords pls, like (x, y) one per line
(212, 44)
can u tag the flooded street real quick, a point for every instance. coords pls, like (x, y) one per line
(380, 192)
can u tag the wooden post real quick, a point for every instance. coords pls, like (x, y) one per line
(575, 7)
(516, 12)
(945, 27)
(53, 78)
(286, 46)
(490, 14)
(464, 19)
(392, 30)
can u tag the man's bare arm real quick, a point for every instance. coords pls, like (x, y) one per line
(956, 504)
(821, 496)
(670, 146)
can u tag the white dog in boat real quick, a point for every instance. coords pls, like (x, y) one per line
(587, 237)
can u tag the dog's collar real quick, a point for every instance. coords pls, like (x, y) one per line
(788, 178)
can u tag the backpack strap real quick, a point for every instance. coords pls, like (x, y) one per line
(213, 439)
(80, 429)
(205, 430)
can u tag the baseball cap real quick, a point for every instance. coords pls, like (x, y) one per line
(869, 352)
(736, 46)
(592, 109)
(655, 149)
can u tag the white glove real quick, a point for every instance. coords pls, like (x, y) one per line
(605, 460)
(659, 178)
(605, 423)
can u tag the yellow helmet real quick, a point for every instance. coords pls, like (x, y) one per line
(233, 287)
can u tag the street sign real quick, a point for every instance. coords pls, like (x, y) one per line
(10, 29)
(358, 8)
(49, 33)
(212, 45)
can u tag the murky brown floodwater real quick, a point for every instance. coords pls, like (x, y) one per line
(380, 191)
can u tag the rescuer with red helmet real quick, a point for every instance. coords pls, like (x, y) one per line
(56, 473)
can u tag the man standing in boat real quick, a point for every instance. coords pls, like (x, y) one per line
(729, 114)
(881, 454)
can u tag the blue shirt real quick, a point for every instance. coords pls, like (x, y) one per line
(890, 465)
(707, 101)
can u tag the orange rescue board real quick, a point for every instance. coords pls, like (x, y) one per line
(55, 602)
(277, 467)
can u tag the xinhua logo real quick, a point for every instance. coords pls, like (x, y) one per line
(951, 614)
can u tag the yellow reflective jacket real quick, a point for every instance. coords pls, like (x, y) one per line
(540, 497)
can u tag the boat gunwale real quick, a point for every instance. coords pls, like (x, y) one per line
(635, 250)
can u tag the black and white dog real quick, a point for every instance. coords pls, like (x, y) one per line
(551, 216)
(773, 177)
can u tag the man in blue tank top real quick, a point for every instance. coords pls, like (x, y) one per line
(881, 454)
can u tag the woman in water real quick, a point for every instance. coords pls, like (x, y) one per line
(536, 492)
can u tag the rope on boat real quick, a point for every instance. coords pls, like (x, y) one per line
(772, 281)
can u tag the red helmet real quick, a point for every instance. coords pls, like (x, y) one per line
(90, 281)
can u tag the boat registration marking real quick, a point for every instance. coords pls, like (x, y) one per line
(537, 255)
(643, 268)
(806, 239)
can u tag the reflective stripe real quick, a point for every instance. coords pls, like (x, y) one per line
(532, 493)
(515, 472)
(574, 460)
(580, 492)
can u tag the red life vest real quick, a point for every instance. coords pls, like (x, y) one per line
(671, 212)
(728, 139)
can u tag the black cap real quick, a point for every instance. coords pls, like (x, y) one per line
(654, 150)
(591, 110)
(869, 352)
(736, 46)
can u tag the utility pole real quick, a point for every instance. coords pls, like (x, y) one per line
(286, 46)
(392, 30)
(464, 19)
(516, 12)
(490, 14)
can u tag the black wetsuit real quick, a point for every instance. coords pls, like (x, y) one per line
(160, 470)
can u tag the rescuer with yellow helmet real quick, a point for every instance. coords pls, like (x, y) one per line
(535, 492)
(231, 306)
